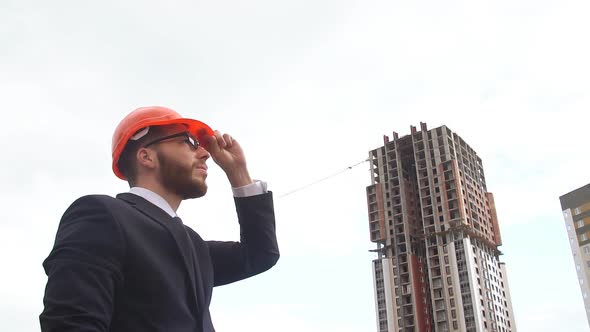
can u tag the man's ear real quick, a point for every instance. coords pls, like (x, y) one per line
(146, 158)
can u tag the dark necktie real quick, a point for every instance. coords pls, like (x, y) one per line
(188, 250)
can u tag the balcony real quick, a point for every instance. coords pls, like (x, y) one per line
(441, 317)
(406, 290)
(437, 293)
(439, 305)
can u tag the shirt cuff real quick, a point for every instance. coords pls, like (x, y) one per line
(255, 188)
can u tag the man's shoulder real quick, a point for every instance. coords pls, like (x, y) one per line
(98, 201)
(96, 198)
(100, 207)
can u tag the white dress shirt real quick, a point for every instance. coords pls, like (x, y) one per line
(255, 188)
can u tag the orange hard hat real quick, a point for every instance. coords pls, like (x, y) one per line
(145, 117)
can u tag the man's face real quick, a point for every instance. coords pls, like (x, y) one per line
(182, 168)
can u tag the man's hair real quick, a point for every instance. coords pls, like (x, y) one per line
(127, 161)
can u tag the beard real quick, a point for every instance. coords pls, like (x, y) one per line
(179, 178)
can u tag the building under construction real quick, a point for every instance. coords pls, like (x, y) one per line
(437, 236)
(576, 213)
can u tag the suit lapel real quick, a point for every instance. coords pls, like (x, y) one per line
(176, 230)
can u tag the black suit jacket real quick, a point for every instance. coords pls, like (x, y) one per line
(123, 264)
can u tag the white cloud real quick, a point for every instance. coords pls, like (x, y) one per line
(551, 317)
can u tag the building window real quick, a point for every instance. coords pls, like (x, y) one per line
(583, 237)
(580, 223)
(577, 211)
(587, 250)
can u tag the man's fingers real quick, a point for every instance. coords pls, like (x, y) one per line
(224, 140)
(211, 144)
(229, 141)
(214, 144)
(220, 139)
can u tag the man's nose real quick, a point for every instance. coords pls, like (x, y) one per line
(202, 153)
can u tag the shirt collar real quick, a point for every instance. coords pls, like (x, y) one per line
(153, 198)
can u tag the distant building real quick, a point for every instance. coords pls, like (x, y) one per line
(576, 212)
(437, 236)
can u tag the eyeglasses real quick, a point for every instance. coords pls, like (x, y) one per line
(188, 138)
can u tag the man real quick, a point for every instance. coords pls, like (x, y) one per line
(128, 263)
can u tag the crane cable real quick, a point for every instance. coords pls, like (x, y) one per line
(322, 179)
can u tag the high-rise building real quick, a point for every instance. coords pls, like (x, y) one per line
(437, 236)
(576, 212)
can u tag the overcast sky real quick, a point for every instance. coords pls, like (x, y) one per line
(308, 88)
